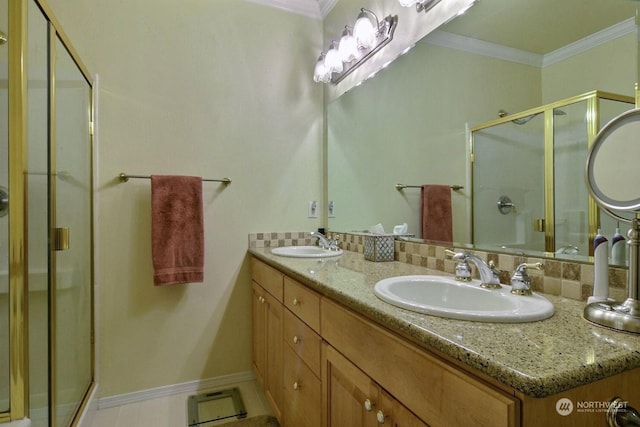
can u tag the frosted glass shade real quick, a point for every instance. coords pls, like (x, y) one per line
(348, 48)
(320, 73)
(332, 61)
(408, 3)
(364, 31)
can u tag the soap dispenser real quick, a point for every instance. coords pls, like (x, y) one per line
(600, 269)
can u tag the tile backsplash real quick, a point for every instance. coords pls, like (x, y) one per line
(569, 279)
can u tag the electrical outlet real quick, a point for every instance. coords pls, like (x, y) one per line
(331, 209)
(312, 210)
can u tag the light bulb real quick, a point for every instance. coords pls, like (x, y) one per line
(320, 73)
(332, 61)
(348, 47)
(363, 31)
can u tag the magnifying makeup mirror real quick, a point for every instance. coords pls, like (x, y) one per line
(613, 180)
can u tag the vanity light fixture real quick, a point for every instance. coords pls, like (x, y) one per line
(357, 44)
(421, 5)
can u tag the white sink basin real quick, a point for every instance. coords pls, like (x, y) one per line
(305, 252)
(446, 297)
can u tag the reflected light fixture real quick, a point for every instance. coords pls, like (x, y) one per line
(421, 5)
(357, 44)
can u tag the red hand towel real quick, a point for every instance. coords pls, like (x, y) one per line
(177, 229)
(437, 223)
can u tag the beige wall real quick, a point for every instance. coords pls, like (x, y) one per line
(210, 88)
(610, 67)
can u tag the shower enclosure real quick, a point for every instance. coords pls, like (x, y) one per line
(46, 241)
(528, 176)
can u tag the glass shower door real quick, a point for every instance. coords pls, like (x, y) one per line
(38, 214)
(508, 167)
(4, 220)
(571, 199)
(71, 184)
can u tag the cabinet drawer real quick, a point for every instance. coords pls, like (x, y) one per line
(303, 302)
(440, 395)
(302, 392)
(303, 341)
(267, 277)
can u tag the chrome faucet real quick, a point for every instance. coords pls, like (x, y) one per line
(488, 275)
(325, 243)
(520, 281)
(463, 269)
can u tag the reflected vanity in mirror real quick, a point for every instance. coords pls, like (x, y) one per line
(412, 122)
(612, 177)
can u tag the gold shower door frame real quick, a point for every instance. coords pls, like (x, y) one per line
(593, 126)
(18, 169)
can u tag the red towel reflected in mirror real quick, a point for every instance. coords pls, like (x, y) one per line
(437, 222)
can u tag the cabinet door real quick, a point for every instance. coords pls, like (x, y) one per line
(393, 414)
(267, 346)
(273, 379)
(259, 334)
(350, 398)
(302, 391)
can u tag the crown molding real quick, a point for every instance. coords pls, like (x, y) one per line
(480, 47)
(611, 33)
(317, 9)
(493, 50)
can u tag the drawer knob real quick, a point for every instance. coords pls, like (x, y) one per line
(261, 299)
(380, 416)
(368, 406)
(296, 340)
(296, 302)
(296, 386)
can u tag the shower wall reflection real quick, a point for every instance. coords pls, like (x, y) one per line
(536, 160)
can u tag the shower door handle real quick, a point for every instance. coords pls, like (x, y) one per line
(61, 239)
(4, 201)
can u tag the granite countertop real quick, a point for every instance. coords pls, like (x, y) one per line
(538, 359)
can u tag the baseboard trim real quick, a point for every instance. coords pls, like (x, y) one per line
(191, 386)
(89, 412)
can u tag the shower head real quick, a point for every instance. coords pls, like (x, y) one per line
(3, 38)
(527, 119)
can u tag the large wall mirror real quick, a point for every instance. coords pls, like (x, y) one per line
(411, 124)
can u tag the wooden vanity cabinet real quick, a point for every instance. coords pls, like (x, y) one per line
(323, 365)
(286, 346)
(438, 393)
(267, 320)
(302, 385)
(353, 399)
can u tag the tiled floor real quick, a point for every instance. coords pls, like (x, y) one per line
(171, 411)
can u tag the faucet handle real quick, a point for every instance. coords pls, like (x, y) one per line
(450, 253)
(520, 281)
(522, 268)
(458, 256)
(463, 269)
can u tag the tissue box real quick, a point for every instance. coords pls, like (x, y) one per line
(379, 247)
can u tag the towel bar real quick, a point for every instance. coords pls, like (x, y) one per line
(400, 187)
(123, 177)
